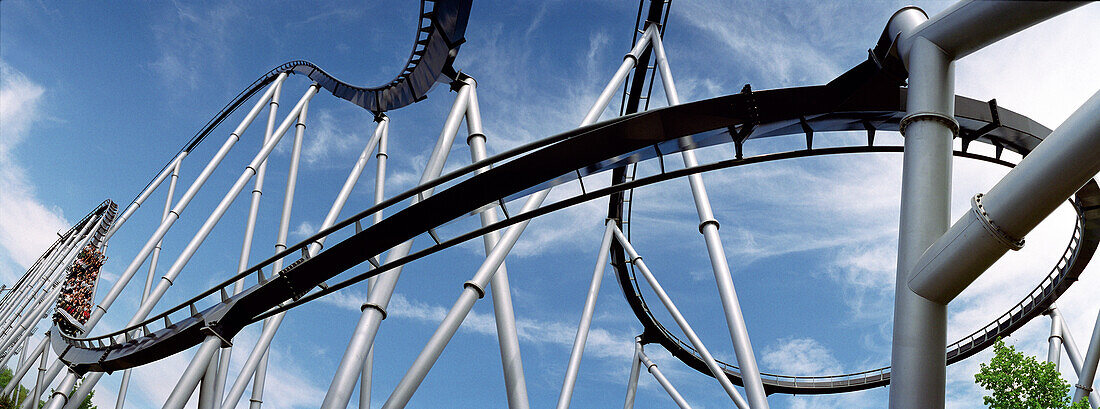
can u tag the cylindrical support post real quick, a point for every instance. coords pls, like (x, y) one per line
(83, 390)
(28, 363)
(918, 366)
(635, 368)
(39, 385)
(652, 368)
(194, 372)
(999, 220)
(351, 365)
(586, 319)
(1074, 354)
(1088, 367)
(708, 359)
(1054, 351)
(507, 337)
(708, 226)
(206, 384)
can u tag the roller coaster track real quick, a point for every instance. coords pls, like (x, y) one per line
(865, 98)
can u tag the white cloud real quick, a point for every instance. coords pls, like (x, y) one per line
(27, 226)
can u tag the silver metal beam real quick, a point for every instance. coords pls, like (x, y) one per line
(712, 365)
(708, 226)
(586, 319)
(351, 365)
(515, 383)
(999, 220)
(652, 368)
(632, 382)
(1074, 354)
(1088, 367)
(1054, 350)
(195, 370)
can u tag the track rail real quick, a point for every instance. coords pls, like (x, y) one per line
(861, 99)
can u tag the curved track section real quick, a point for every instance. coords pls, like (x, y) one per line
(441, 31)
(982, 122)
(863, 98)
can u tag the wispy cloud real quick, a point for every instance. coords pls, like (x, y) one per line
(27, 225)
(193, 39)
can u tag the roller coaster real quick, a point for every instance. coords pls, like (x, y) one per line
(893, 90)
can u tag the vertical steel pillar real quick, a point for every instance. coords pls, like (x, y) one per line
(708, 226)
(1088, 367)
(586, 319)
(681, 322)
(351, 365)
(124, 386)
(27, 364)
(1054, 351)
(246, 247)
(39, 386)
(365, 379)
(1074, 354)
(195, 370)
(635, 367)
(256, 364)
(918, 371)
(505, 317)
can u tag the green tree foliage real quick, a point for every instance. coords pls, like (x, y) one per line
(1019, 381)
(6, 402)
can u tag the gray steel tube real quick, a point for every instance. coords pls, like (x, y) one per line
(28, 363)
(351, 365)
(1060, 165)
(1075, 359)
(1054, 349)
(708, 359)
(708, 227)
(652, 368)
(515, 383)
(194, 372)
(632, 381)
(1088, 368)
(589, 310)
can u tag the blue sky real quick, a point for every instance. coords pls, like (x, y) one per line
(97, 97)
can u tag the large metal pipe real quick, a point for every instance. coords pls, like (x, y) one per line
(632, 381)
(661, 379)
(246, 246)
(589, 310)
(968, 26)
(708, 227)
(1074, 354)
(474, 289)
(351, 365)
(366, 378)
(195, 370)
(255, 367)
(1054, 349)
(1088, 368)
(999, 220)
(708, 359)
(515, 383)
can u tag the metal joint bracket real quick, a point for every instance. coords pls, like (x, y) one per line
(471, 284)
(632, 57)
(987, 222)
(635, 260)
(210, 331)
(474, 135)
(1087, 389)
(374, 306)
(1054, 336)
(165, 278)
(709, 221)
(949, 121)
